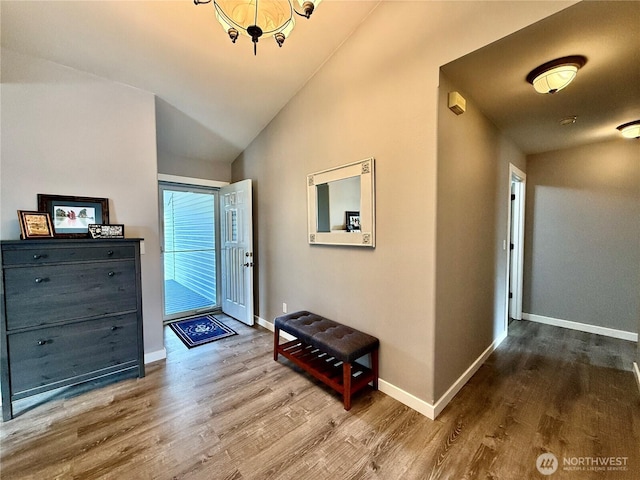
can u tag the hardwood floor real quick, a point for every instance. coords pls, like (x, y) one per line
(226, 410)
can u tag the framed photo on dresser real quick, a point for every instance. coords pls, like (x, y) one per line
(71, 216)
(34, 224)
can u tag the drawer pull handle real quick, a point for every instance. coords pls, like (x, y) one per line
(37, 256)
(39, 279)
(111, 274)
(110, 252)
(42, 342)
(114, 328)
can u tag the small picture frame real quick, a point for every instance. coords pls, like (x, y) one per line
(35, 224)
(106, 231)
(352, 221)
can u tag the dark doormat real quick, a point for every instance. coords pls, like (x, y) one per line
(200, 330)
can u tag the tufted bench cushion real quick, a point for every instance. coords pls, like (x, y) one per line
(344, 343)
(328, 350)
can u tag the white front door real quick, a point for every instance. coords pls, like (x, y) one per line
(237, 251)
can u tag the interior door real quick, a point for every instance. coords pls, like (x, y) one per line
(516, 259)
(237, 251)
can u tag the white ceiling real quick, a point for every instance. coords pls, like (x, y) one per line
(605, 93)
(214, 97)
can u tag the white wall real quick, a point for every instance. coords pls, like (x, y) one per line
(69, 133)
(376, 97)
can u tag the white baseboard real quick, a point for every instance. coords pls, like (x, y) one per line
(406, 398)
(444, 400)
(155, 356)
(425, 408)
(582, 327)
(269, 326)
(264, 323)
(636, 370)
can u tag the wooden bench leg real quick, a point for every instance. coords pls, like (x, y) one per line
(276, 342)
(374, 367)
(346, 382)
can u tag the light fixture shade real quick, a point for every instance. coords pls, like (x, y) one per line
(630, 130)
(259, 18)
(222, 19)
(272, 16)
(555, 79)
(555, 75)
(288, 27)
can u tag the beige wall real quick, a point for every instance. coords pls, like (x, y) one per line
(172, 164)
(377, 96)
(69, 133)
(582, 237)
(472, 212)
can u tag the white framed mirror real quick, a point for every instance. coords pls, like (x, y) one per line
(341, 205)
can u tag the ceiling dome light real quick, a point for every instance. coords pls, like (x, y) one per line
(630, 130)
(258, 18)
(553, 76)
(568, 120)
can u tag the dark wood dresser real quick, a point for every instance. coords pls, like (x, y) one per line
(71, 312)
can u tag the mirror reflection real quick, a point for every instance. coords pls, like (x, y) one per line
(338, 205)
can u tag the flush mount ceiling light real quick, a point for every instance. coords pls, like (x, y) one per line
(630, 130)
(258, 18)
(553, 76)
(570, 120)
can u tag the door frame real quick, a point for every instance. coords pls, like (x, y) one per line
(515, 235)
(185, 182)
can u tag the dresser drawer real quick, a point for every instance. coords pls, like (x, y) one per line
(50, 294)
(52, 354)
(43, 256)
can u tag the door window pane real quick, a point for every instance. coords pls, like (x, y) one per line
(189, 251)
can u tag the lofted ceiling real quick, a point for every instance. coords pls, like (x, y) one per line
(605, 93)
(214, 97)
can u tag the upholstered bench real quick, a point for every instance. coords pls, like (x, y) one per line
(328, 350)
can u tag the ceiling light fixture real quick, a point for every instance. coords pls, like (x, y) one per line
(630, 130)
(258, 18)
(553, 76)
(568, 120)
